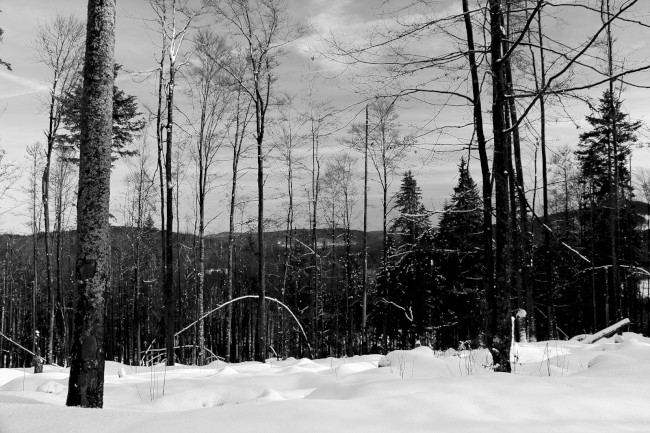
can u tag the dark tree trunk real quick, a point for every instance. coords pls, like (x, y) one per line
(520, 227)
(260, 341)
(499, 297)
(315, 265)
(364, 300)
(231, 256)
(488, 258)
(86, 385)
(45, 189)
(169, 292)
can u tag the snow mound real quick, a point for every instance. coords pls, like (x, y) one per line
(271, 395)
(353, 368)
(201, 397)
(52, 387)
(418, 363)
(31, 382)
(250, 366)
(227, 371)
(306, 363)
(9, 374)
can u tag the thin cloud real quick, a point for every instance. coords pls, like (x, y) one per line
(27, 86)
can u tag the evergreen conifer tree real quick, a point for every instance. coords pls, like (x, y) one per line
(458, 258)
(460, 224)
(406, 282)
(127, 120)
(607, 217)
(413, 219)
(595, 152)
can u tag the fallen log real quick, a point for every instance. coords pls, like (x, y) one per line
(607, 332)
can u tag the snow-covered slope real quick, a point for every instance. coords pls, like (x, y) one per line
(559, 386)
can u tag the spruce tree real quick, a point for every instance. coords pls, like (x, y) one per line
(607, 217)
(595, 154)
(413, 218)
(458, 258)
(406, 281)
(461, 223)
(127, 120)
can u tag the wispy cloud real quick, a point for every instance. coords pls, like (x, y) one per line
(25, 86)
(340, 21)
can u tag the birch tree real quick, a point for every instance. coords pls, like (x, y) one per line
(210, 98)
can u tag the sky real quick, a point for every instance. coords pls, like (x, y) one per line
(23, 118)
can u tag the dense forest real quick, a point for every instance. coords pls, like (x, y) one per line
(563, 253)
(425, 286)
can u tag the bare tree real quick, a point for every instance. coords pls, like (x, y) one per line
(210, 98)
(288, 146)
(59, 46)
(175, 18)
(9, 173)
(488, 257)
(2, 62)
(86, 384)
(64, 182)
(340, 180)
(264, 28)
(34, 153)
(237, 131)
(138, 207)
(386, 148)
(320, 124)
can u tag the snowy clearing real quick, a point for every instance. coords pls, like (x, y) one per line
(560, 386)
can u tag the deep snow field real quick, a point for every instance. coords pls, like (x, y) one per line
(557, 386)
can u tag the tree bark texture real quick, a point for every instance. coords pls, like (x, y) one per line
(86, 384)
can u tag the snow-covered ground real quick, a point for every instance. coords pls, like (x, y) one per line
(557, 386)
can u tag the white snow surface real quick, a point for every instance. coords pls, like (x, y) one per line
(557, 386)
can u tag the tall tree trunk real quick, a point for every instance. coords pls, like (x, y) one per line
(45, 188)
(3, 302)
(86, 384)
(364, 307)
(240, 131)
(36, 358)
(548, 253)
(160, 153)
(201, 265)
(614, 177)
(178, 287)
(288, 238)
(260, 342)
(516, 262)
(169, 291)
(498, 340)
(58, 229)
(348, 278)
(315, 268)
(522, 245)
(488, 257)
(231, 254)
